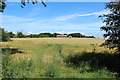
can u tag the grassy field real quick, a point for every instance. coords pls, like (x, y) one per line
(54, 58)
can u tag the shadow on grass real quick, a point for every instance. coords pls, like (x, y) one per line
(11, 50)
(95, 61)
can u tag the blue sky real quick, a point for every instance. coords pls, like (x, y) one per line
(61, 17)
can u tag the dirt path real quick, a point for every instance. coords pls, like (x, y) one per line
(47, 56)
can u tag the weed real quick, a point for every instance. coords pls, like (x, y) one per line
(51, 71)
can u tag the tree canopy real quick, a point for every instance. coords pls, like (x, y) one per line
(23, 3)
(4, 36)
(112, 27)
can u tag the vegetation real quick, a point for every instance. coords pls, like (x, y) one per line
(41, 35)
(7, 35)
(23, 3)
(20, 35)
(80, 35)
(11, 34)
(112, 27)
(4, 36)
(58, 58)
(2, 6)
(91, 61)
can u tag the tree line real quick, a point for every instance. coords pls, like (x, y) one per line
(5, 36)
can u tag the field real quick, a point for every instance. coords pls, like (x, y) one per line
(56, 58)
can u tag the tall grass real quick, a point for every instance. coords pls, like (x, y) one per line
(84, 65)
(58, 60)
(12, 69)
(6, 65)
(95, 62)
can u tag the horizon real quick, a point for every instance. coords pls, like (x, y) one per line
(57, 17)
(49, 32)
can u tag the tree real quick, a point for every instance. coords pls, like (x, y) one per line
(2, 5)
(23, 3)
(112, 27)
(55, 34)
(11, 34)
(31, 36)
(4, 36)
(20, 35)
(45, 35)
(76, 35)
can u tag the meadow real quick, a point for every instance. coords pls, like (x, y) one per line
(58, 58)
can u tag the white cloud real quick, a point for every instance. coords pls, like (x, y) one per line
(52, 24)
(34, 11)
(64, 18)
(8, 18)
(96, 13)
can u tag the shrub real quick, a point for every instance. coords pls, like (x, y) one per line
(90, 61)
(4, 36)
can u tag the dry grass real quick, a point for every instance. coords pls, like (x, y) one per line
(85, 41)
(34, 45)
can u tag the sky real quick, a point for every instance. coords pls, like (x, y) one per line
(60, 17)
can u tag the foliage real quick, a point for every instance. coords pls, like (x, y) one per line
(2, 6)
(55, 34)
(11, 69)
(4, 36)
(89, 37)
(23, 3)
(91, 61)
(51, 71)
(20, 35)
(80, 35)
(6, 64)
(112, 27)
(11, 35)
(76, 35)
(26, 68)
(45, 35)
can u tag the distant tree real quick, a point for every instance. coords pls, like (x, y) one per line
(4, 36)
(65, 34)
(20, 35)
(31, 35)
(89, 36)
(11, 34)
(112, 27)
(75, 35)
(45, 35)
(55, 34)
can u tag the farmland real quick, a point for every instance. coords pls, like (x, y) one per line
(57, 58)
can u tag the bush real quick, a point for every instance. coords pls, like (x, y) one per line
(4, 36)
(20, 35)
(51, 72)
(6, 65)
(90, 61)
